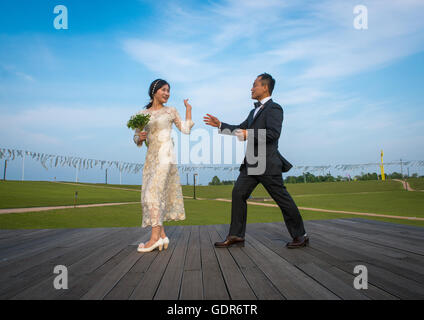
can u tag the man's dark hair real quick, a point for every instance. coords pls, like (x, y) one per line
(268, 80)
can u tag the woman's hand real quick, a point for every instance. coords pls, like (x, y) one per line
(142, 135)
(187, 105)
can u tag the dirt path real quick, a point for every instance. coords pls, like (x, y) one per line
(91, 186)
(405, 185)
(36, 209)
(333, 211)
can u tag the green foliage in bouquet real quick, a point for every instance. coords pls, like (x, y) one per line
(139, 121)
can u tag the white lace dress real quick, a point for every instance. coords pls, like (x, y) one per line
(161, 194)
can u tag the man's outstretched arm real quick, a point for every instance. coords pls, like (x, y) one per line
(223, 127)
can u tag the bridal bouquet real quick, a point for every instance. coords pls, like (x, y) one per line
(138, 121)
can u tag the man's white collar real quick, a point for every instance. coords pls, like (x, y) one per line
(264, 100)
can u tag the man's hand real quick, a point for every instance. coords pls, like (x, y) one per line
(211, 120)
(241, 134)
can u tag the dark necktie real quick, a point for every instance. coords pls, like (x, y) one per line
(257, 104)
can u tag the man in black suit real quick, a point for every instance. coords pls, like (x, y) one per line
(261, 129)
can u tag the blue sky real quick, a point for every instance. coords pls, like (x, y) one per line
(346, 93)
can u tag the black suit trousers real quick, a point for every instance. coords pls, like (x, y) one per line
(244, 187)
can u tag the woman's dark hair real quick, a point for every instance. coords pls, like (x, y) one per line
(154, 87)
(268, 80)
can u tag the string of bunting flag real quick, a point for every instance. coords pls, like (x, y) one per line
(51, 160)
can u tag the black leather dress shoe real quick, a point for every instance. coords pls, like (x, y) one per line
(298, 242)
(230, 241)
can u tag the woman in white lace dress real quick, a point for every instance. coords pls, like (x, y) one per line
(161, 194)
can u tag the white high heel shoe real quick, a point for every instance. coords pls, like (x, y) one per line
(165, 242)
(157, 244)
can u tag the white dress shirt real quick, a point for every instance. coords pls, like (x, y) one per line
(263, 101)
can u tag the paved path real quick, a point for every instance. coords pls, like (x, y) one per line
(334, 211)
(36, 209)
(406, 185)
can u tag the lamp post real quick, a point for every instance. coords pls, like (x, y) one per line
(194, 184)
(23, 166)
(5, 166)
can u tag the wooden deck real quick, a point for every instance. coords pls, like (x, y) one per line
(104, 264)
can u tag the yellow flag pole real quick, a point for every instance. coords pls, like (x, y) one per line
(383, 177)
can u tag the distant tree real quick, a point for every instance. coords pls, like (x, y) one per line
(215, 181)
(394, 175)
(290, 179)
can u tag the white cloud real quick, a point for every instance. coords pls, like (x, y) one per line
(11, 70)
(176, 62)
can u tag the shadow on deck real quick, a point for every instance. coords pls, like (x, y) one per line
(103, 263)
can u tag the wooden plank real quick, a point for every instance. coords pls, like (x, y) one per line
(86, 274)
(36, 235)
(193, 250)
(78, 263)
(17, 265)
(334, 284)
(237, 285)
(260, 284)
(38, 272)
(29, 244)
(60, 239)
(395, 284)
(213, 282)
(380, 239)
(126, 285)
(192, 285)
(102, 287)
(396, 230)
(317, 269)
(326, 262)
(85, 282)
(289, 280)
(148, 284)
(6, 236)
(169, 287)
(417, 230)
(377, 231)
(372, 292)
(367, 252)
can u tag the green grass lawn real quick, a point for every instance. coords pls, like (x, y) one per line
(363, 196)
(400, 203)
(416, 183)
(18, 194)
(198, 212)
(224, 191)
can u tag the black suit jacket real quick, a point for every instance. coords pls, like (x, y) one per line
(270, 117)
